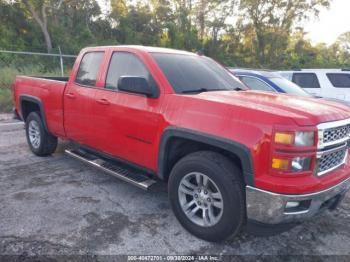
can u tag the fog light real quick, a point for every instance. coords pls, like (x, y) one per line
(300, 164)
(294, 207)
(292, 204)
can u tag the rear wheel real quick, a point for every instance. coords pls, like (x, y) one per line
(206, 194)
(40, 141)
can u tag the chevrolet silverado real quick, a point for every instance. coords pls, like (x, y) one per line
(229, 155)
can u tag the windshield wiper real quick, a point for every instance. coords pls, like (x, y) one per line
(201, 90)
(240, 89)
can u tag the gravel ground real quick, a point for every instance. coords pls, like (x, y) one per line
(5, 117)
(58, 206)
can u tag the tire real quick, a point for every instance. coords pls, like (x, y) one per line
(39, 140)
(221, 173)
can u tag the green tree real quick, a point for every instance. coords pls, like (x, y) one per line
(344, 41)
(248, 33)
(273, 21)
(39, 11)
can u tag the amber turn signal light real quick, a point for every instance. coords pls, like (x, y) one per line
(284, 138)
(281, 164)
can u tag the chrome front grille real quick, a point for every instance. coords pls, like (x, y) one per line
(337, 133)
(330, 161)
(333, 139)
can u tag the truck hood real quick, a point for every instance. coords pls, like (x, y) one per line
(302, 110)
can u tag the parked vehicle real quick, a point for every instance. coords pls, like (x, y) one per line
(271, 81)
(229, 156)
(328, 83)
(268, 81)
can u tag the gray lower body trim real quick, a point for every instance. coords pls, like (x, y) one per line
(271, 208)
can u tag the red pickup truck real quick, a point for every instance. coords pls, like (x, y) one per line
(228, 155)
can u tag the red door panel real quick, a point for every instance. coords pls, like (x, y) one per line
(78, 102)
(79, 98)
(127, 127)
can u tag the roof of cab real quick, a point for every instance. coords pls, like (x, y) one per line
(148, 49)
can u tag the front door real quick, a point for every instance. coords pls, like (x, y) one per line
(127, 125)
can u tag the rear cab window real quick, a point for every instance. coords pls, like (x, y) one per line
(306, 80)
(88, 69)
(339, 80)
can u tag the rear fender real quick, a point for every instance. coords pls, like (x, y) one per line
(33, 100)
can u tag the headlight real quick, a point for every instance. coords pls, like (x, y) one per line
(299, 139)
(304, 139)
(300, 164)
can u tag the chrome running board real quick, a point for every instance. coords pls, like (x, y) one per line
(120, 171)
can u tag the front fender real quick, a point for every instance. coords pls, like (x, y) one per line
(238, 149)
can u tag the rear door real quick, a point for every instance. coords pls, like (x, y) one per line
(309, 82)
(79, 98)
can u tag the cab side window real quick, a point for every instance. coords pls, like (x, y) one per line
(125, 64)
(89, 68)
(306, 80)
(339, 80)
(255, 83)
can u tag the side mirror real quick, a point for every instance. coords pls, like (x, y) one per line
(136, 85)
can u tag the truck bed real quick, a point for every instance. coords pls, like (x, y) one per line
(49, 91)
(56, 78)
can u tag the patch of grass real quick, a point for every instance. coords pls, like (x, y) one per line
(5, 100)
(8, 75)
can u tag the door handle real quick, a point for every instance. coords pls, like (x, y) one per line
(103, 101)
(70, 95)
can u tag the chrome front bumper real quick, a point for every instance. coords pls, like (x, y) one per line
(272, 208)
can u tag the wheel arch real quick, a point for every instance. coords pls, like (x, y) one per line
(30, 104)
(178, 142)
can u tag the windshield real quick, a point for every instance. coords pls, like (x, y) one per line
(190, 73)
(288, 86)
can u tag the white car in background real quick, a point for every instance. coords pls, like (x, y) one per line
(328, 83)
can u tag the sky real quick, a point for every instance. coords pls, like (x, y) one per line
(326, 28)
(330, 24)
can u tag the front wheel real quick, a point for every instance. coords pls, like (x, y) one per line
(207, 196)
(40, 141)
